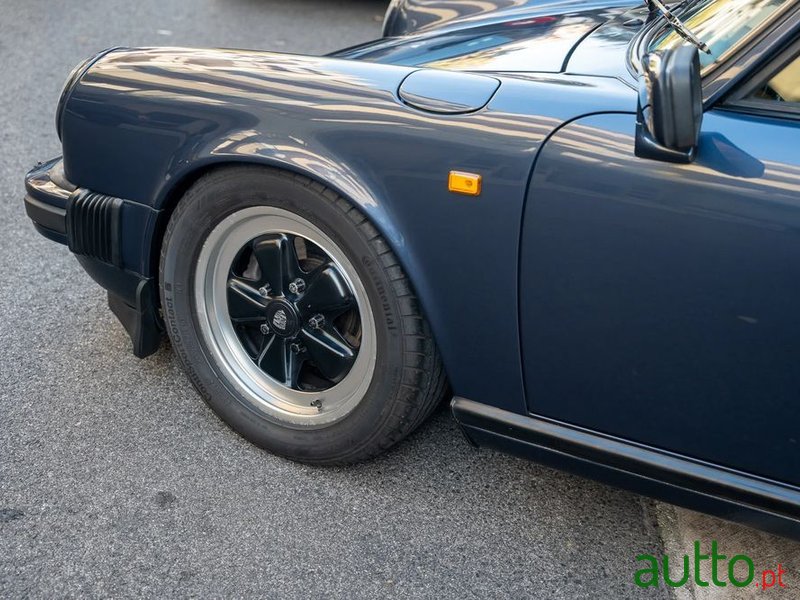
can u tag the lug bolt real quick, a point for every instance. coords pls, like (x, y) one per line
(264, 328)
(298, 286)
(297, 348)
(316, 322)
(264, 291)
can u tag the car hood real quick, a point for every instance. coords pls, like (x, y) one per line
(530, 39)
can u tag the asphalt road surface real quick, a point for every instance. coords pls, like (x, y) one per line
(115, 478)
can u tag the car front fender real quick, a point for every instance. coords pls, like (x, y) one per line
(141, 124)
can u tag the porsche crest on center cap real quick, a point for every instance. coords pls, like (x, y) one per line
(279, 319)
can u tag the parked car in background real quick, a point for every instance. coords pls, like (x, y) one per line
(579, 220)
(410, 16)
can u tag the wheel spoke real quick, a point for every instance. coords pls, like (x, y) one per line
(271, 357)
(327, 293)
(277, 259)
(245, 304)
(311, 302)
(278, 360)
(332, 355)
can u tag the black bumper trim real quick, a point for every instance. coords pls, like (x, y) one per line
(754, 501)
(46, 215)
(93, 225)
(134, 301)
(90, 225)
(47, 193)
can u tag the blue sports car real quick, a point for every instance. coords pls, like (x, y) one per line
(579, 220)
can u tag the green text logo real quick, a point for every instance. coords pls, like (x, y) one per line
(723, 570)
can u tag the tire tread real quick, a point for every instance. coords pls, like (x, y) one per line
(423, 383)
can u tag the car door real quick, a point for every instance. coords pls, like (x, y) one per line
(660, 302)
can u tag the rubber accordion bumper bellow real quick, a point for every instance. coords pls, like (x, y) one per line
(91, 225)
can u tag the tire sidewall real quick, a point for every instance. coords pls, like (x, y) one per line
(212, 199)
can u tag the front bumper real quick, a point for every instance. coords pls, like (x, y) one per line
(92, 226)
(47, 193)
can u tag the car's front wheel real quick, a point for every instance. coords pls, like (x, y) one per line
(293, 318)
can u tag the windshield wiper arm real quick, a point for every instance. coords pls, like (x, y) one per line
(679, 27)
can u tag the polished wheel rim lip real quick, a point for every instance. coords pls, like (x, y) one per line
(271, 397)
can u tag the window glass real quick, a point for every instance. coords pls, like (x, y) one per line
(784, 85)
(721, 24)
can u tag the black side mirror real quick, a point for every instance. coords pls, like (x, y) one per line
(670, 107)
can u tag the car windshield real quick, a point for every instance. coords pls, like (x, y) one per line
(722, 24)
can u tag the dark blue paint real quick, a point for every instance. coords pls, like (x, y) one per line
(441, 16)
(538, 40)
(643, 301)
(604, 52)
(342, 122)
(659, 302)
(447, 92)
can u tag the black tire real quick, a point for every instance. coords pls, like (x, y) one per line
(408, 381)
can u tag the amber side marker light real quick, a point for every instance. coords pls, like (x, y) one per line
(464, 183)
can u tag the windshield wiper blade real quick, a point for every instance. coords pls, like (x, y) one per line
(679, 27)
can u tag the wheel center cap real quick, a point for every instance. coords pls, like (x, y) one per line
(282, 318)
